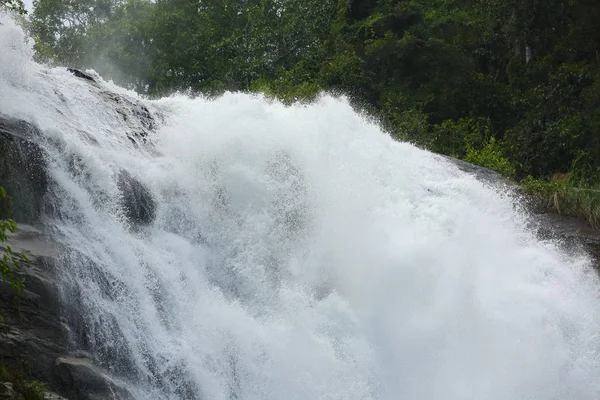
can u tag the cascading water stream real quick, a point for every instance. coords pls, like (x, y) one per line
(296, 253)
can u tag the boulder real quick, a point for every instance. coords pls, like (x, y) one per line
(22, 171)
(136, 200)
(134, 114)
(83, 380)
(81, 74)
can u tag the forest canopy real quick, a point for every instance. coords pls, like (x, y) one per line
(13, 6)
(512, 85)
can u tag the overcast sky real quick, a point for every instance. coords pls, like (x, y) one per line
(28, 4)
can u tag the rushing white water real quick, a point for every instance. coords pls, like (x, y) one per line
(298, 253)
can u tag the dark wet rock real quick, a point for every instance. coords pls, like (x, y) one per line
(53, 396)
(33, 334)
(573, 232)
(37, 331)
(81, 74)
(82, 379)
(138, 205)
(22, 171)
(7, 392)
(133, 113)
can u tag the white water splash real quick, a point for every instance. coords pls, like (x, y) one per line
(298, 253)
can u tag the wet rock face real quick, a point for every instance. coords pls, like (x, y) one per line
(134, 114)
(22, 171)
(8, 392)
(81, 74)
(37, 331)
(573, 232)
(83, 380)
(33, 334)
(136, 200)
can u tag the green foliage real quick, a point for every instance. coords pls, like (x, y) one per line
(10, 260)
(455, 137)
(294, 85)
(23, 386)
(512, 85)
(14, 6)
(411, 126)
(490, 156)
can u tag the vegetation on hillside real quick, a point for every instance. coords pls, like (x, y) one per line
(10, 260)
(512, 85)
(21, 387)
(14, 6)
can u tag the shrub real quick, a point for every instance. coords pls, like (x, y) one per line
(24, 388)
(490, 156)
(10, 260)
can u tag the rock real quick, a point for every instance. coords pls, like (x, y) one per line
(571, 231)
(83, 380)
(134, 114)
(137, 202)
(22, 171)
(31, 239)
(32, 334)
(7, 392)
(81, 74)
(53, 396)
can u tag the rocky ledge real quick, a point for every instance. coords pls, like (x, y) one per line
(34, 336)
(35, 339)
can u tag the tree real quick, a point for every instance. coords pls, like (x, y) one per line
(13, 5)
(60, 27)
(514, 81)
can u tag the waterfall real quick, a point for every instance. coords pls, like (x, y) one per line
(293, 252)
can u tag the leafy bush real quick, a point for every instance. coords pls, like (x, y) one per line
(13, 5)
(10, 260)
(490, 156)
(411, 126)
(24, 388)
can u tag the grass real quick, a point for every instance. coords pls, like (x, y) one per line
(561, 195)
